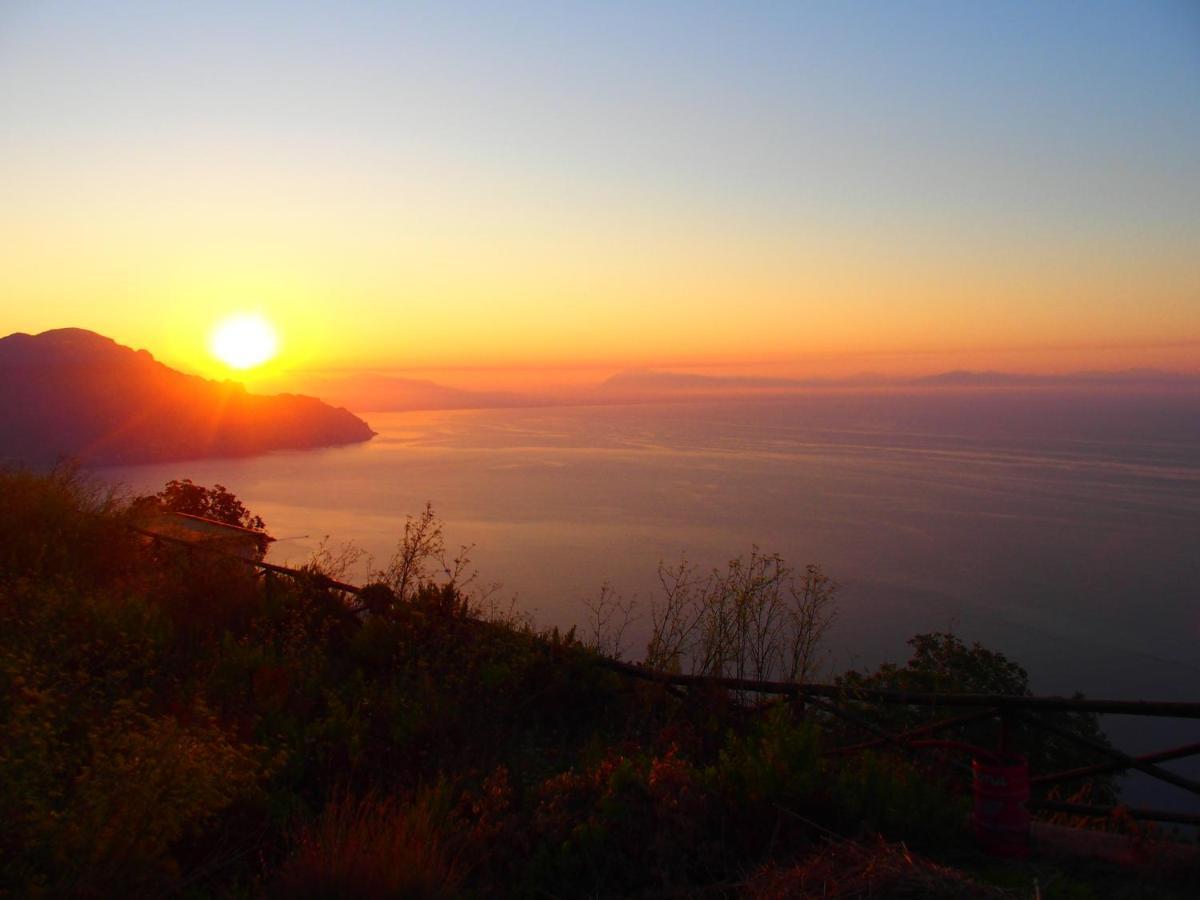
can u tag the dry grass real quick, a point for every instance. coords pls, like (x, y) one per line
(373, 847)
(881, 871)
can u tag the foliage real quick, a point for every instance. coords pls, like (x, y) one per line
(100, 775)
(609, 617)
(891, 796)
(59, 525)
(181, 725)
(756, 619)
(421, 559)
(216, 503)
(631, 819)
(942, 662)
(336, 561)
(778, 762)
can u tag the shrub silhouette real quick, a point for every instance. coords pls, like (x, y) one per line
(943, 662)
(216, 503)
(755, 619)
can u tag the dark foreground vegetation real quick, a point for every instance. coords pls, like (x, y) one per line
(176, 724)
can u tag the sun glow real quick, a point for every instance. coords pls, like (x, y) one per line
(244, 341)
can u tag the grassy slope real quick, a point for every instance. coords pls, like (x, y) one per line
(177, 724)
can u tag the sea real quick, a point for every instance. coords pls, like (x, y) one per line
(1059, 527)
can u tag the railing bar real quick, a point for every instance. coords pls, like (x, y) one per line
(930, 728)
(1105, 768)
(1169, 709)
(883, 734)
(1154, 771)
(323, 580)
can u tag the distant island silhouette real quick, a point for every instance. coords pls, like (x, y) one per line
(376, 391)
(74, 393)
(658, 383)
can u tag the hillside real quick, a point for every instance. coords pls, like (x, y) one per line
(176, 725)
(74, 393)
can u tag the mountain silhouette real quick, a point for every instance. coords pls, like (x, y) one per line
(656, 383)
(374, 392)
(75, 393)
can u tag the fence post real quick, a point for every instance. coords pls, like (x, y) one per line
(1001, 792)
(1004, 736)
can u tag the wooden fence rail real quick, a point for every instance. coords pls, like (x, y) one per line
(1003, 706)
(1169, 709)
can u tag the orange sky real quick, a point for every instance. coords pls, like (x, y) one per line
(490, 203)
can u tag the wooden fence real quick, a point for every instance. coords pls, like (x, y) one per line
(1006, 708)
(834, 700)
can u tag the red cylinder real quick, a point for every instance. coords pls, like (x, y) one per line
(1001, 816)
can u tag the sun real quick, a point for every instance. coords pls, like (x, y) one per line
(244, 340)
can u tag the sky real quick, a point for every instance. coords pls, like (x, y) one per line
(472, 190)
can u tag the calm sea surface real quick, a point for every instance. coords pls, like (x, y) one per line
(1060, 528)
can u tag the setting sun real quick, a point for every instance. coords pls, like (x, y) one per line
(244, 341)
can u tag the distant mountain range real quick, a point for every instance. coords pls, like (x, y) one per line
(392, 393)
(73, 393)
(380, 392)
(1130, 377)
(655, 383)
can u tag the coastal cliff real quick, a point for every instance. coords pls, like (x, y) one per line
(74, 393)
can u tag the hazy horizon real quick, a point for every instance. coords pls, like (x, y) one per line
(382, 389)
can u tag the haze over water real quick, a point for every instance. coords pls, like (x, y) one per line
(1060, 527)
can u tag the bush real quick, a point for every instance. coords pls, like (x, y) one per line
(60, 526)
(876, 794)
(632, 820)
(217, 503)
(779, 762)
(103, 814)
(755, 619)
(942, 662)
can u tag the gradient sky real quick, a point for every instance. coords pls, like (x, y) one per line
(794, 187)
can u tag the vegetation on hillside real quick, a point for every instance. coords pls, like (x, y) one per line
(217, 503)
(176, 722)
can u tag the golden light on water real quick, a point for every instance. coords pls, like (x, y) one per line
(244, 340)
